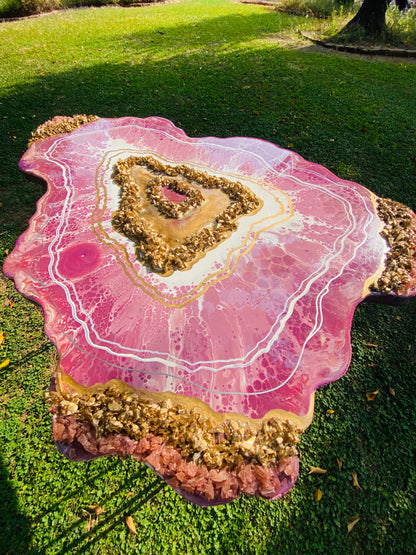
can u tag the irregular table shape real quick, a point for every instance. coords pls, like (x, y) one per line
(198, 291)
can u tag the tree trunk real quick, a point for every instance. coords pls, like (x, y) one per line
(371, 17)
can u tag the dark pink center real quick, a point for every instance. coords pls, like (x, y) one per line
(172, 195)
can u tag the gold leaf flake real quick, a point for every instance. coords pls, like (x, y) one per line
(352, 521)
(372, 395)
(355, 481)
(130, 525)
(318, 495)
(316, 470)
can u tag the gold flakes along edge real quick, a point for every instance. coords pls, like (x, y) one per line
(60, 125)
(400, 235)
(115, 408)
(151, 250)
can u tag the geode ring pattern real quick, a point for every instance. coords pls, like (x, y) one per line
(198, 291)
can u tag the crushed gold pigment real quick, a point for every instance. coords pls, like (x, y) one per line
(173, 234)
(401, 239)
(193, 434)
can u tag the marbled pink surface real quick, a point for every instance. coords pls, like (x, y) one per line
(257, 324)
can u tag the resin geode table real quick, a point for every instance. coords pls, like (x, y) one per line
(198, 291)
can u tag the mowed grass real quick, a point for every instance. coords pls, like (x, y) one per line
(215, 68)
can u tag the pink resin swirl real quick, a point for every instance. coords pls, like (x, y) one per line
(257, 324)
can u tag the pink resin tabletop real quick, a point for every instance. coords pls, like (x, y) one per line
(211, 279)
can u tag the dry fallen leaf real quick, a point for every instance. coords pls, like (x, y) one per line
(316, 470)
(372, 395)
(391, 391)
(352, 521)
(130, 525)
(318, 495)
(330, 411)
(339, 463)
(371, 345)
(355, 481)
(2, 338)
(5, 363)
(97, 509)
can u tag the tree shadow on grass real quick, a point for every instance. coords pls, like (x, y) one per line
(15, 532)
(94, 526)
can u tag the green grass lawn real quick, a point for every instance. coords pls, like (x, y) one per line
(215, 68)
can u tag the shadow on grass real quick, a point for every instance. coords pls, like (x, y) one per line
(94, 527)
(15, 532)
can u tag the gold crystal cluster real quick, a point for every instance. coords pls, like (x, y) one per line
(195, 435)
(152, 248)
(60, 125)
(401, 238)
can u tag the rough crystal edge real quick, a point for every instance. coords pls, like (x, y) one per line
(60, 125)
(258, 470)
(195, 482)
(399, 274)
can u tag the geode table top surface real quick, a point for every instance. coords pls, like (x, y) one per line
(225, 270)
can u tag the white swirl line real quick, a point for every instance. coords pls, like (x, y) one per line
(231, 362)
